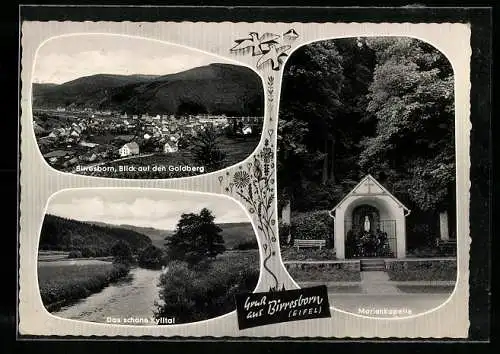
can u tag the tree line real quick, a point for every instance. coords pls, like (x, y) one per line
(383, 106)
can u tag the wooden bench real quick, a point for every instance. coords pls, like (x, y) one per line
(447, 246)
(309, 243)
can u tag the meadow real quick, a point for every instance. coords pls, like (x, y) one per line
(66, 282)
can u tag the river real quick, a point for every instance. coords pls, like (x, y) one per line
(128, 301)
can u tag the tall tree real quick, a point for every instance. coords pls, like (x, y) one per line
(322, 114)
(196, 238)
(206, 148)
(122, 252)
(412, 99)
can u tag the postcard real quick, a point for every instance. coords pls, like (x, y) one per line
(244, 179)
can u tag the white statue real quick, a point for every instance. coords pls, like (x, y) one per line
(367, 223)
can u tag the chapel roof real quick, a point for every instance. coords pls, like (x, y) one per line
(379, 190)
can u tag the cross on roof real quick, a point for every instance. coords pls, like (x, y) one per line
(369, 183)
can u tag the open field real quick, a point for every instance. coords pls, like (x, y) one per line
(63, 283)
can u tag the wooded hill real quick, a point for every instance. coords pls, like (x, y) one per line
(233, 234)
(383, 106)
(67, 234)
(214, 89)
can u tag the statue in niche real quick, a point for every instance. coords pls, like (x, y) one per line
(367, 224)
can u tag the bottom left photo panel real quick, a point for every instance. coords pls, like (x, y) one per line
(144, 256)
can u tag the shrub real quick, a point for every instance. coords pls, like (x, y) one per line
(197, 293)
(87, 252)
(325, 272)
(247, 245)
(151, 257)
(308, 254)
(284, 232)
(422, 270)
(122, 253)
(75, 254)
(312, 225)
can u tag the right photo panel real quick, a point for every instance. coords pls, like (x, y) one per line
(366, 174)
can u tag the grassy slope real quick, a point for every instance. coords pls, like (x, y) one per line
(235, 233)
(62, 284)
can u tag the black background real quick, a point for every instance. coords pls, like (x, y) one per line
(281, 316)
(480, 173)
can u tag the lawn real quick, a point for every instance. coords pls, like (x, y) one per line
(61, 284)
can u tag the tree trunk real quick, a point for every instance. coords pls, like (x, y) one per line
(324, 177)
(332, 161)
(443, 226)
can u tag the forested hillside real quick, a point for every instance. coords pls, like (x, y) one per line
(383, 106)
(66, 234)
(214, 89)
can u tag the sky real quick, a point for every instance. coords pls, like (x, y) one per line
(141, 207)
(63, 59)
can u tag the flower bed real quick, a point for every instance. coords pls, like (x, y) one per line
(324, 271)
(308, 254)
(426, 270)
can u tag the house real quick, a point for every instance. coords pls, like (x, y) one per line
(129, 149)
(170, 147)
(73, 161)
(90, 157)
(87, 144)
(175, 137)
(147, 136)
(246, 130)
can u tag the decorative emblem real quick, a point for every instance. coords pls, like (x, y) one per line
(258, 44)
(274, 55)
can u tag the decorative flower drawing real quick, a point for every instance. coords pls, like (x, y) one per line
(241, 179)
(255, 186)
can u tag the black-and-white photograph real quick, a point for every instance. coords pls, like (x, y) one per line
(126, 107)
(144, 256)
(366, 173)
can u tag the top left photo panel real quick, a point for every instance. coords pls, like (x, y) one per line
(118, 106)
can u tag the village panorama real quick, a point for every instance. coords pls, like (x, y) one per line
(94, 142)
(150, 126)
